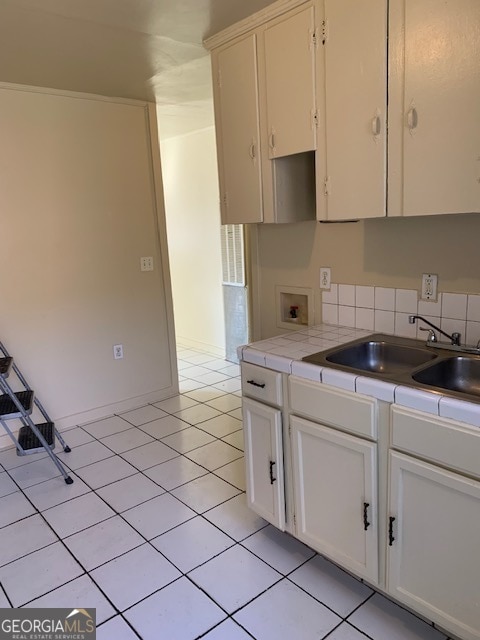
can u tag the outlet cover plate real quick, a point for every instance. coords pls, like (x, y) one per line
(325, 278)
(118, 351)
(429, 287)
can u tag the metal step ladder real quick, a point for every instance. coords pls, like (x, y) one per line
(32, 437)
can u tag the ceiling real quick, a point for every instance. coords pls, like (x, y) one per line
(142, 49)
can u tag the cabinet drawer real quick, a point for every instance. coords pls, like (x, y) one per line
(263, 384)
(348, 411)
(440, 440)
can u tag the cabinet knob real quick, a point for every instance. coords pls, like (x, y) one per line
(376, 126)
(412, 119)
(252, 151)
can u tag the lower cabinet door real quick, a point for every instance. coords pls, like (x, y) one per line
(262, 427)
(335, 495)
(433, 558)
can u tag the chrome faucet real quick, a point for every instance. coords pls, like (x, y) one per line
(454, 338)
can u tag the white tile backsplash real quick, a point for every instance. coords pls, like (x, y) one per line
(454, 305)
(330, 296)
(385, 299)
(422, 335)
(386, 310)
(346, 294)
(403, 327)
(473, 333)
(365, 297)
(473, 308)
(429, 308)
(406, 301)
(385, 321)
(329, 313)
(346, 316)
(364, 319)
(449, 326)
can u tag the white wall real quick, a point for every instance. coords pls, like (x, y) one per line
(193, 229)
(391, 252)
(78, 209)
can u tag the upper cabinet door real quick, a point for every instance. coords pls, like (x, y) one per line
(290, 84)
(355, 41)
(237, 128)
(435, 101)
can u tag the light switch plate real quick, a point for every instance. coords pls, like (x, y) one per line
(146, 264)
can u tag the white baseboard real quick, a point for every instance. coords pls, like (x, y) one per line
(79, 419)
(202, 346)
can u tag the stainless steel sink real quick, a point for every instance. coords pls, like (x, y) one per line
(459, 374)
(381, 357)
(407, 362)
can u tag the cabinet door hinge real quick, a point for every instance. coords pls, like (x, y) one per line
(324, 31)
(224, 201)
(326, 185)
(315, 118)
(294, 520)
(219, 78)
(314, 38)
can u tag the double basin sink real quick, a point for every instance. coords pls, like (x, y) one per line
(407, 362)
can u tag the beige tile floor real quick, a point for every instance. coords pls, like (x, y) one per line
(155, 532)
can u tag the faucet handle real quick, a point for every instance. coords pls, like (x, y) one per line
(456, 338)
(432, 336)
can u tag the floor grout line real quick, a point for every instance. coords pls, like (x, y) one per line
(197, 511)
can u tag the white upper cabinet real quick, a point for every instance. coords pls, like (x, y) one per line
(238, 132)
(264, 97)
(434, 121)
(355, 43)
(290, 83)
(300, 94)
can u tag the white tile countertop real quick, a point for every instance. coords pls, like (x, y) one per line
(284, 354)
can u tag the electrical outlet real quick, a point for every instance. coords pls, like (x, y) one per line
(146, 264)
(324, 277)
(118, 351)
(429, 286)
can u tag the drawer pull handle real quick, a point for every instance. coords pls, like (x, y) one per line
(391, 539)
(272, 479)
(366, 523)
(256, 384)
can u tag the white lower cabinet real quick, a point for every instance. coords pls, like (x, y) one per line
(334, 478)
(262, 427)
(416, 539)
(433, 560)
